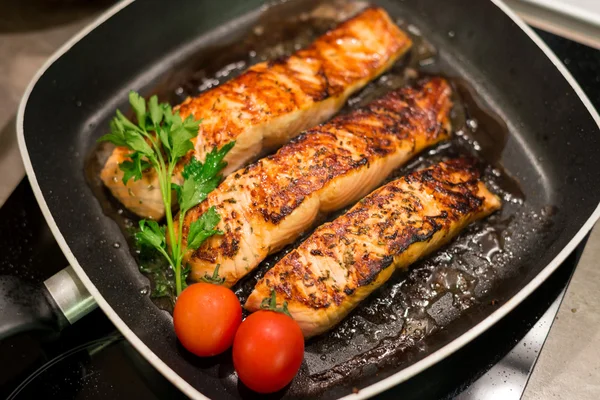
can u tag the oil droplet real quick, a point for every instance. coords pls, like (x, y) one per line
(451, 34)
(472, 123)
(144, 291)
(259, 30)
(116, 245)
(414, 30)
(323, 357)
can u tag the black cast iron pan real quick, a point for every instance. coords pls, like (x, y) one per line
(517, 109)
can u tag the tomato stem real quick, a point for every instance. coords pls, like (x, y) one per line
(215, 278)
(270, 304)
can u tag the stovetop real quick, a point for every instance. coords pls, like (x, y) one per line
(91, 360)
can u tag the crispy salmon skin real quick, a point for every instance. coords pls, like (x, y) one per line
(273, 101)
(344, 261)
(267, 205)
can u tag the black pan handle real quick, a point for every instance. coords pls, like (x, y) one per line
(47, 308)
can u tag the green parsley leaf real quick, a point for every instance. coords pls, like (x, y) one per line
(165, 139)
(116, 126)
(167, 113)
(203, 228)
(156, 111)
(181, 141)
(151, 234)
(192, 125)
(118, 139)
(193, 169)
(139, 107)
(134, 168)
(193, 192)
(214, 160)
(135, 141)
(116, 135)
(201, 178)
(123, 123)
(212, 166)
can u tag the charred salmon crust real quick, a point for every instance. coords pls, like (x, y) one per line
(273, 101)
(270, 203)
(344, 261)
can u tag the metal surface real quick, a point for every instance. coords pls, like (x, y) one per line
(506, 89)
(506, 380)
(558, 23)
(70, 294)
(587, 10)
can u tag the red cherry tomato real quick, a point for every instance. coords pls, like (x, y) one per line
(267, 351)
(206, 317)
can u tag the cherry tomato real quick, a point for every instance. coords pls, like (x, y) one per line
(206, 317)
(267, 351)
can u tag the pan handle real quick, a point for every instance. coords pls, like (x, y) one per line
(59, 302)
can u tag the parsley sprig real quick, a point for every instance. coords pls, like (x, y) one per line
(159, 140)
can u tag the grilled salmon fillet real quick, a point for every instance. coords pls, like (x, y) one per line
(273, 101)
(267, 205)
(342, 262)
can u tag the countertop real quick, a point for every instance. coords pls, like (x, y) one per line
(568, 367)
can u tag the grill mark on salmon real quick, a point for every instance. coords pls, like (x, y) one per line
(344, 261)
(268, 204)
(273, 101)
